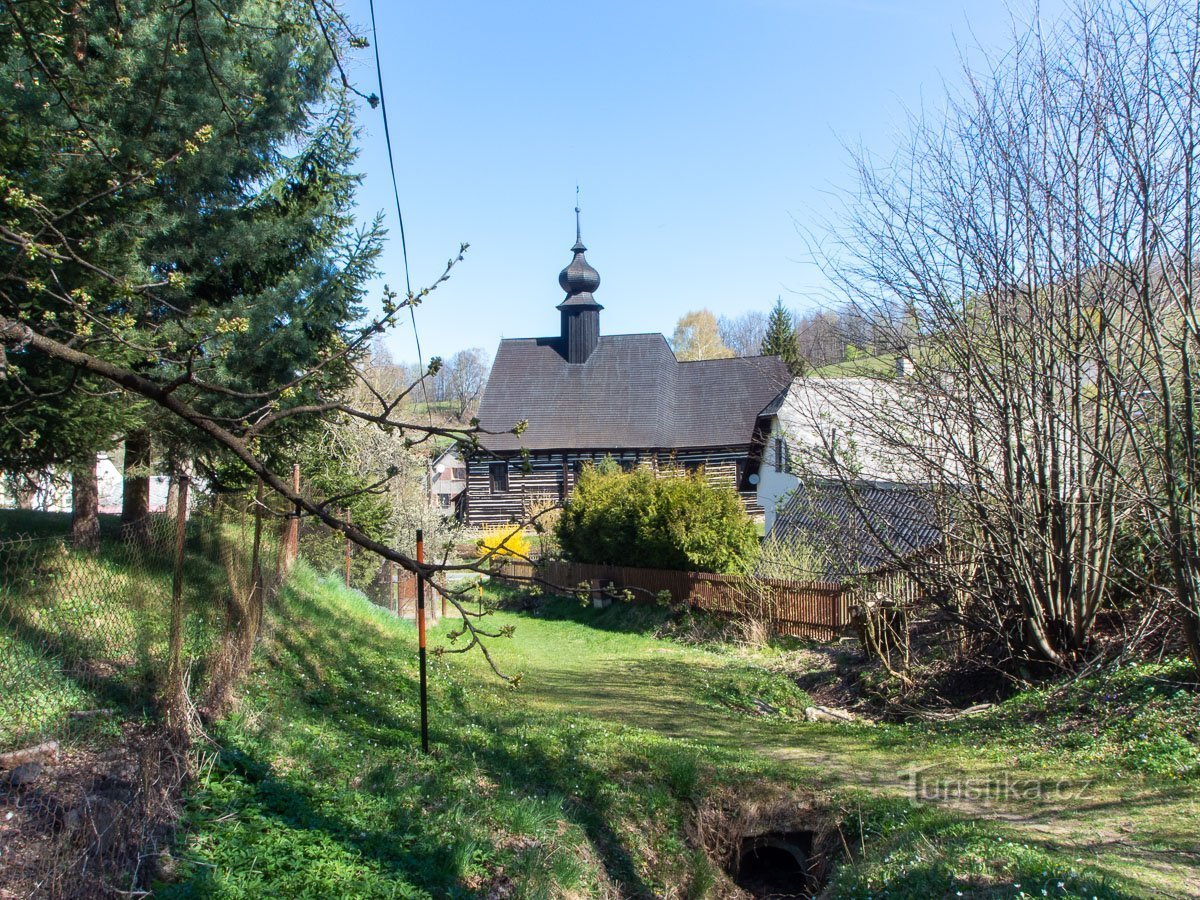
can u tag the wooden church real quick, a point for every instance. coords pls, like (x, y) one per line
(587, 395)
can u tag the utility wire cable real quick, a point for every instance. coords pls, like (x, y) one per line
(387, 137)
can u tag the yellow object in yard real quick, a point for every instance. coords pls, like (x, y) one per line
(504, 540)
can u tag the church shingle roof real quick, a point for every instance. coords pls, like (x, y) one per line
(631, 393)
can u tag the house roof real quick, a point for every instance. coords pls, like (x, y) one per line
(630, 393)
(858, 527)
(450, 451)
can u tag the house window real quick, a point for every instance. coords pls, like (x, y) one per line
(780, 455)
(499, 475)
(628, 465)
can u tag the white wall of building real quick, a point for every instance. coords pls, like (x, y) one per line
(839, 428)
(775, 481)
(54, 492)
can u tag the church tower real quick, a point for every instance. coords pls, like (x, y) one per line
(580, 311)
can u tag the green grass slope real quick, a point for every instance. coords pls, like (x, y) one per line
(87, 631)
(318, 790)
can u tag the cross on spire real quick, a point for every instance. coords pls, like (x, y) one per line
(579, 279)
(578, 237)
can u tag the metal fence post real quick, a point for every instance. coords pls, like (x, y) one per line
(256, 590)
(394, 588)
(421, 641)
(294, 527)
(289, 545)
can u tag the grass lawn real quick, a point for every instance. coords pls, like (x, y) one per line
(1107, 772)
(319, 790)
(86, 631)
(601, 775)
(862, 367)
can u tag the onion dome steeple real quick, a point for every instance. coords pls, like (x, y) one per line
(580, 311)
(578, 279)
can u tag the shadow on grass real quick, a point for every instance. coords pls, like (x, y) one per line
(35, 524)
(621, 616)
(338, 684)
(397, 849)
(97, 622)
(924, 851)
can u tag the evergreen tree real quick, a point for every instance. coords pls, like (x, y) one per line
(780, 339)
(176, 181)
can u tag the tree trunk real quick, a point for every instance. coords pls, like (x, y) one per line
(85, 506)
(1191, 631)
(135, 497)
(173, 493)
(24, 491)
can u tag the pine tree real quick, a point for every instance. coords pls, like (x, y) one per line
(203, 210)
(780, 339)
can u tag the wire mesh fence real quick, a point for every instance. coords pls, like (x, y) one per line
(107, 657)
(112, 655)
(381, 581)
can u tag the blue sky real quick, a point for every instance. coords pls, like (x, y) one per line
(701, 133)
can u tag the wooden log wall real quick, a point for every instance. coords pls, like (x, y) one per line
(552, 476)
(813, 610)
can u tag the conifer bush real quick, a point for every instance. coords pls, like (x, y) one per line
(638, 519)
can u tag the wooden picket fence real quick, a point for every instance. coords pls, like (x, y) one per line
(893, 585)
(808, 609)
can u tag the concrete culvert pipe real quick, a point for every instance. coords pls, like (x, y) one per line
(776, 865)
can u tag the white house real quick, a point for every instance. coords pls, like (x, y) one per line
(447, 480)
(849, 465)
(52, 492)
(819, 430)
